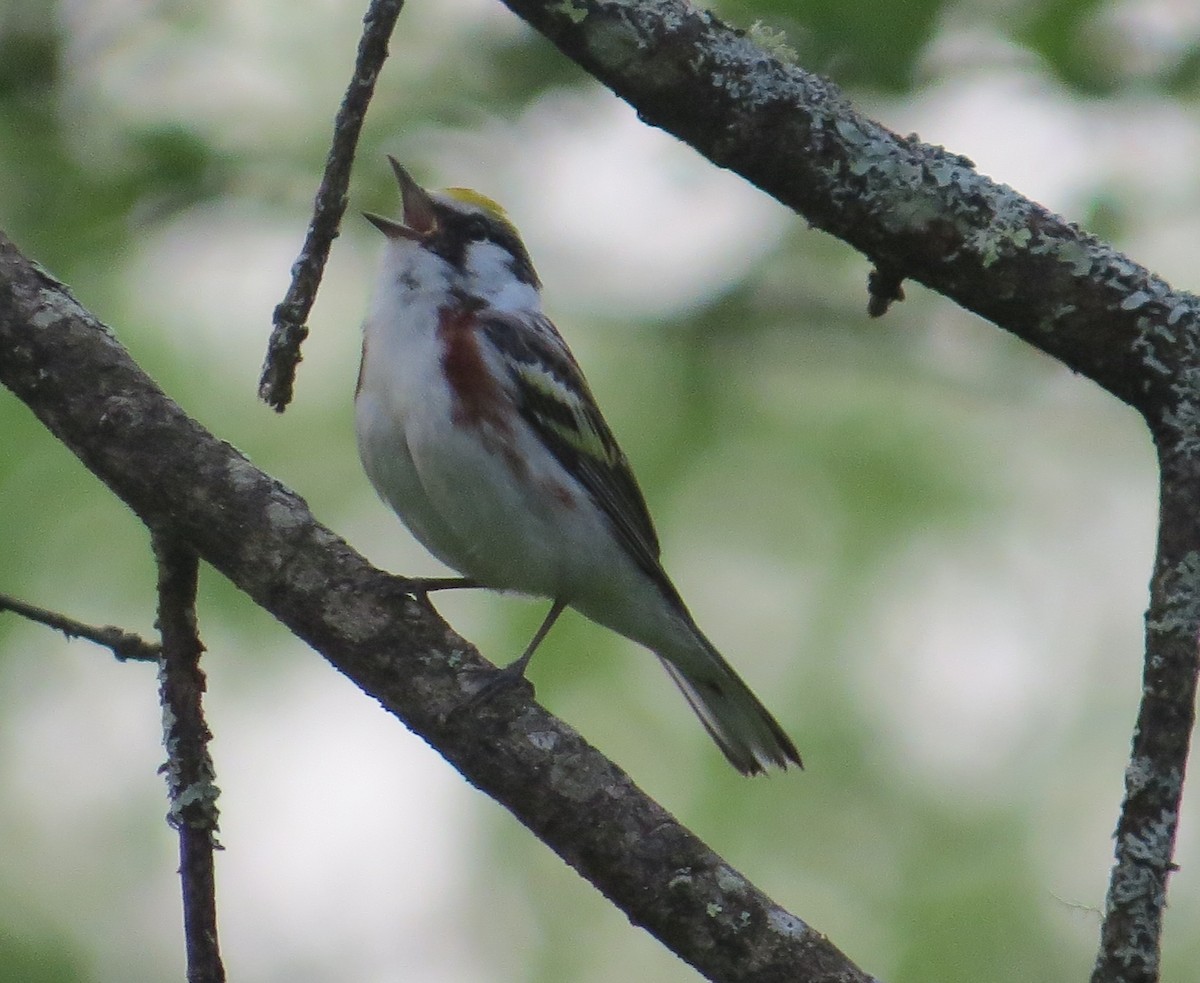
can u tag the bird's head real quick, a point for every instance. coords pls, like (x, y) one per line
(470, 234)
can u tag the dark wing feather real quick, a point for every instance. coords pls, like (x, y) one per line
(553, 397)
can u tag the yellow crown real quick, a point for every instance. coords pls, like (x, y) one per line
(469, 197)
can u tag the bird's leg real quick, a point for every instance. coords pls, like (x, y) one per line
(515, 671)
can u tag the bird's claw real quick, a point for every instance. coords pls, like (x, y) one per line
(423, 586)
(496, 681)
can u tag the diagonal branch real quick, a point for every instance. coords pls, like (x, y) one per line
(916, 211)
(176, 476)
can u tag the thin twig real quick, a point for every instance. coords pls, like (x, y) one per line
(189, 768)
(125, 645)
(291, 315)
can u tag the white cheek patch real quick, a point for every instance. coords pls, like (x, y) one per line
(488, 269)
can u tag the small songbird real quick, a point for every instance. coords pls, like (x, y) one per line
(476, 426)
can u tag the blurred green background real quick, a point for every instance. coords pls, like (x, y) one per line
(925, 545)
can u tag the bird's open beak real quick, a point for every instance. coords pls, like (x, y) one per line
(420, 221)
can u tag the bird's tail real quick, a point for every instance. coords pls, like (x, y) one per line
(743, 728)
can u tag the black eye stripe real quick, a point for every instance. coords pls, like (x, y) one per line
(457, 230)
(479, 228)
(475, 227)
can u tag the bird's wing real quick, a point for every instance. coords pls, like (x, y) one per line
(553, 397)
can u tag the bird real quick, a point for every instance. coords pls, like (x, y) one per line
(477, 428)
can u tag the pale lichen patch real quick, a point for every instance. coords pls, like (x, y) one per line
(729, 879)
(1073, 253)
(748, 75)
(613, 45)
(785, 923)
(576, 13)
(1181, 613)
(773, 41)
(242, 475)
(543, 740)
(682, 879)
(1134, 300)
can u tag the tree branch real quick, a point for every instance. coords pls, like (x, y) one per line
(291, 314)
(1131, 936)
(189, 768)
(124, 644)
(179, 478)
(916, 211)
(922, 213)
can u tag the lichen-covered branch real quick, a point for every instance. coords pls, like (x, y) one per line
(916, 211)
(919, 212)
(1130, 949)
(182, 480)
(189, 768)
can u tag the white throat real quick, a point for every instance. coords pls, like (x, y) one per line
(412, 276)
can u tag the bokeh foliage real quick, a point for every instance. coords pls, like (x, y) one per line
(837, 498)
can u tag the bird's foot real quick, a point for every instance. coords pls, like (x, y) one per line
(420, 586)
(499, 680)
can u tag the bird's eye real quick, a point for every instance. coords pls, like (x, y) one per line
(477, 229)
